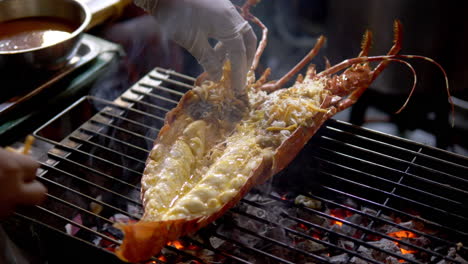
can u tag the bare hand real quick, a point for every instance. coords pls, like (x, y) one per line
(18, 184)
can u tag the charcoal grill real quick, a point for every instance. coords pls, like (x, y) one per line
(351, 196)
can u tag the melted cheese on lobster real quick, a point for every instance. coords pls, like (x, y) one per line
(201, 169)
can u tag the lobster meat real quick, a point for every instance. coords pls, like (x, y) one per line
(216, 144)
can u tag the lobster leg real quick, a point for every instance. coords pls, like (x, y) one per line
(263, 79)
(271, 87)
(366, 43)
(397, 40)
(311, 71)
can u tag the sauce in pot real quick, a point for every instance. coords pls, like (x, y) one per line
(34, 32)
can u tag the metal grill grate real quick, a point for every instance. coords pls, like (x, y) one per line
(357, 188)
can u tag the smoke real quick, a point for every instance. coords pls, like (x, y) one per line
(145, 47)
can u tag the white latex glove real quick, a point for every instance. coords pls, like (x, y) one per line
(190, 23)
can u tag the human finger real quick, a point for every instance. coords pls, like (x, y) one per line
(201, 49)
(238, 59)
(32, 193)
(27, 166)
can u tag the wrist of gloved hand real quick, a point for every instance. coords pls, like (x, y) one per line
(191, 23)
(149, 6)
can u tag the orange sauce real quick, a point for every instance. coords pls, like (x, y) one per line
(33, 32)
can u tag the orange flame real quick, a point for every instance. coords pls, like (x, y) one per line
(161, 258)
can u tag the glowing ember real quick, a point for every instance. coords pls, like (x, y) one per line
(316, 236)
(400, 235)
(403, 234)
(284, 198)
(404, 251)
(193, 248)
(334, 222)
(177, 244)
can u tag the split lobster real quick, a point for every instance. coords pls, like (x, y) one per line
(216, 145)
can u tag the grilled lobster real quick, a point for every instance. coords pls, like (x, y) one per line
(216, 145)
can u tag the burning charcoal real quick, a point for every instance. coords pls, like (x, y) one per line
(95, 207)
(287, 222)
(338, 259)
(73, 229)
(452, 253)
(308, 202)
(383, 244)
(420, 241)
(408, 225)
(258, 212)
(356, 260)
(346, 244)
(310, 246)
(120, 218)
(116, 233)
(216, 242)
(310, 217)
(350, 203)
(369, 211)
(355, 219)
(391, 260)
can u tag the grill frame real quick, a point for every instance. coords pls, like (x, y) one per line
(335, 138)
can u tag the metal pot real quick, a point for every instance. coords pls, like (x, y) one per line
(50, 57)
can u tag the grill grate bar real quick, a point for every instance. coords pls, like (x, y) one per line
(209, 247)
(59, 158)
(181, 252)
(295, 232)
(362, 228)
(89, 198)
(381, 155)
(110, 115)
(244, 246)
(366, 229)
(378, 219)
(123, 130)
(32, 220)
(159, 87)
(84, 142)
(126, 108)
(394, 183)
(165, 110)
(401, 149)
(277, 242)
(187, 86)
(78, 225)
(79, 209)
(362, 200)
(91, 184)
(71, 149)
(155, 96)
(355, 240)
(364, 186)
(172, 72)
(114, 139)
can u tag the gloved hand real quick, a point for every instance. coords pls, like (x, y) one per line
(190, 23)
(17, 182)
